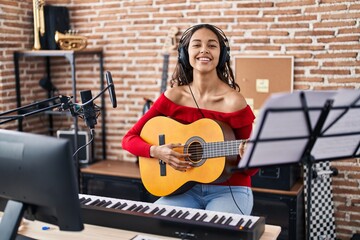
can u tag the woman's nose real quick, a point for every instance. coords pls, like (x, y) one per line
(204, 50)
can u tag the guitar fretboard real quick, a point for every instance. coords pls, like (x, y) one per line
(220, 149)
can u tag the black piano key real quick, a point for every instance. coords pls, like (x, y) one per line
(81, 199)
(238, 225)
(121, 206)
(86, 201)
(161, 211)
(195, 216)
(132, 207)
(138, 208)
(185, 215)
(203, 217)
(100, 203)
(221, 220)
(172, 212)
(228, 221)
(106, 204)
(116, 205)
(214, 218)
(144, 209)
(248, 223)
(178, 214)
(154, 210)
(93, 203)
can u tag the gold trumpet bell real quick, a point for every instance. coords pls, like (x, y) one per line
(70, 41)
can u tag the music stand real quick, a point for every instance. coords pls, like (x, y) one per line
(305, 128)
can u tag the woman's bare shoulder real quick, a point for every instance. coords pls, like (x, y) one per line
(175, 94)
(235, 101)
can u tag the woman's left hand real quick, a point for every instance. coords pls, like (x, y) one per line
(242, 148)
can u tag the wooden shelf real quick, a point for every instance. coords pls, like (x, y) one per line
(113, 168)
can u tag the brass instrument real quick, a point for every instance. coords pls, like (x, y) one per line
(70, 41)
(39, 23)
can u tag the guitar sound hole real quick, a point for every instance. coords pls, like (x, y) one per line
(196, 151)
(195, 146)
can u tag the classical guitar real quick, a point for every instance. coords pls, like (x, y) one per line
(212, 146)
(170, 44)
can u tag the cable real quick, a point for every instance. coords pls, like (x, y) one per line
(197, 106)
(232, 195)
(92, 131)
(191, 92)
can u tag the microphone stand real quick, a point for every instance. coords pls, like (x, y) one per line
(64, 104)
(5, 118)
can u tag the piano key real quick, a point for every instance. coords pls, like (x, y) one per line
(115, 205)
(161, 211)
(171, 213)
(185, 214)
(122, 206)
(155, 210)
(196, 216)
(229, 220)
(214, 218)
(203, 217)
(247, 224)
(93, 203)
(106, 204)
(240, 223)
(131, 207)
(138, 208)
(178, 214)
(144, 209)
(221, 220)
(102, 202)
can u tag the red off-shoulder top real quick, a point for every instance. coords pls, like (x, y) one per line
(240, 121)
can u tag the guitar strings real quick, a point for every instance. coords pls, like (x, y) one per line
(198, 151)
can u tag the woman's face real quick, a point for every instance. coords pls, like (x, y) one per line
(204, 50)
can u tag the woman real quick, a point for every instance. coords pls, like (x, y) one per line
(202, 86)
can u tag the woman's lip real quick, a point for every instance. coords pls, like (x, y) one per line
(204, 59)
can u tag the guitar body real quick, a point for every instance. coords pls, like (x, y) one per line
(193, 136)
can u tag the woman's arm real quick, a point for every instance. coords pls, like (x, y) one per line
(132, 142)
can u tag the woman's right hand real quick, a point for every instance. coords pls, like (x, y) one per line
(172, 155)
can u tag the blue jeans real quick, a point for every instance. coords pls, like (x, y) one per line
(233, 199)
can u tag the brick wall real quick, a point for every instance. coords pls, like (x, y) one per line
(322, 35)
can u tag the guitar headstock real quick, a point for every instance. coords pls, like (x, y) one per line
(170, 41)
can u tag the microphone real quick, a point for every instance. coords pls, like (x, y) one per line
(88, 109)
(111, 89)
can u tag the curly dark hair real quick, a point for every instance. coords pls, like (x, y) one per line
(183, 73)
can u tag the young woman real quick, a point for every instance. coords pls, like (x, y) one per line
(202, 86)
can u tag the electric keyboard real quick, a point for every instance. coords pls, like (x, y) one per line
(178, 222)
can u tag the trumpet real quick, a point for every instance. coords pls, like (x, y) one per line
(70, 41)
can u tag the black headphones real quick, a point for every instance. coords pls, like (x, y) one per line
(183, 57)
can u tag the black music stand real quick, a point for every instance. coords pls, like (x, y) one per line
(305, 128)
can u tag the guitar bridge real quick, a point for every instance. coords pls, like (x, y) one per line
(161, 162)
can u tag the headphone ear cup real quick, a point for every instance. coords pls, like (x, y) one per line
(183, 57)
(224, 56)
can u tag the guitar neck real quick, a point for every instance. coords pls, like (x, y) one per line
(221, 149)
(164, 73)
